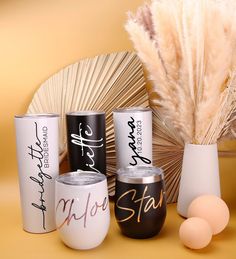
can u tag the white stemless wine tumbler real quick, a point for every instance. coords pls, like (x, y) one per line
(82, 209)
(37, 142)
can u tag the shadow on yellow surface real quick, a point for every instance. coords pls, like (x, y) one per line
(16, 243)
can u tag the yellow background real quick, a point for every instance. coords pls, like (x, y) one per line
(37, 38)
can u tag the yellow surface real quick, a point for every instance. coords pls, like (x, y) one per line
(15, 243)
(37, 38)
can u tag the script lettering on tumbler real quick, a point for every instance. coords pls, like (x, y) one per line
(146, 203)
(68, 209)
(36, 152)
(87, 144)
(136, 145)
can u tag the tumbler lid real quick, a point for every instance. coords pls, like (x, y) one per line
(140, 174)
(85, 113)
(37, 115)
(132, 109)
(80, 178)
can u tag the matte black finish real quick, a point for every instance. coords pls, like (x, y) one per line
(140, 209)
(86, 141)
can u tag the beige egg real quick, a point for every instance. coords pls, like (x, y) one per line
(195, 233)
(211, 208)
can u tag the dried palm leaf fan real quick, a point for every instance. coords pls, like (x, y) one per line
(103, 83)
(168, 153)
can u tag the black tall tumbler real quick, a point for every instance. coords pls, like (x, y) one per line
(86, 141)
(140, 203)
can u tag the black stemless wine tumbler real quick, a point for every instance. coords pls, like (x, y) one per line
(140, 203)
(86, 141)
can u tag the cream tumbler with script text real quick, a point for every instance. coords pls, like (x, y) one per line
(133, 136)
(37, 141)
(82, 209)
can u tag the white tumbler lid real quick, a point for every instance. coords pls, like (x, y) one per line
(81, 178)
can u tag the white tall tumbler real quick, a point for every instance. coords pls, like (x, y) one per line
(133, 136)
(37, 143)
(82, 209)
(200, 175)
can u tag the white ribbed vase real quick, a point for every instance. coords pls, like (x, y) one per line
(200, 174)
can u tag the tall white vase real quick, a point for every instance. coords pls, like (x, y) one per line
(200, 174)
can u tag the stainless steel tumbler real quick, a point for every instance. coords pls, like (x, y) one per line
(140, 203)
(82, 209)
(37, 144)
(133, 136)
(86, 141)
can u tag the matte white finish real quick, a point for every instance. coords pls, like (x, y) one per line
(133, 137)
(82, 214)
(200, 175)
(37, 140)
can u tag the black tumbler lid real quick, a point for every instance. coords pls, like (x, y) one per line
(85, 113)
(140, 174)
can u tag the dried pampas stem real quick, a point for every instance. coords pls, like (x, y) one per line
(189, 50)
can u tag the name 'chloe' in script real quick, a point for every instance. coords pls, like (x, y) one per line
(70, 210)
(87, 144)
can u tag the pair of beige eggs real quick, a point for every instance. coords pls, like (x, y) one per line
(207, 215)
